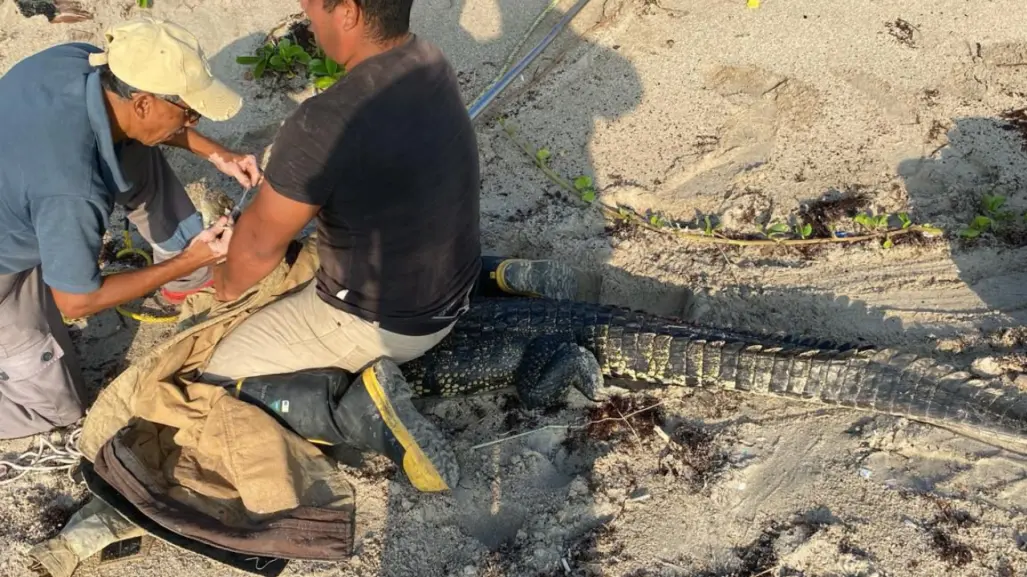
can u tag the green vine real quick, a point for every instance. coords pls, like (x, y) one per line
(775, 234)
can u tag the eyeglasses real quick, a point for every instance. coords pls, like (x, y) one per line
(191, 116)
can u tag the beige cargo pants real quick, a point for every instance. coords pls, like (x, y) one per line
(301, 331)
(41, 384)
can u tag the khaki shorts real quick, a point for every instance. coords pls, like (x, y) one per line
(301, 331)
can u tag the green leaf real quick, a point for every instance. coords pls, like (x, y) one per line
(807, 230)
(582, 183)
(542, 155)
(317, 67)
(778, 228)
(992, 203)
(882, 221)
(284, 43)
(888, 243)
(247, 59)
(258, 70)
(969, 233)
(277, 62)
(332, 67)
(303, 57)
(589, 195)
(906, 223)
(981, 223)
(323, 82)
(865, 221)
(932, 230)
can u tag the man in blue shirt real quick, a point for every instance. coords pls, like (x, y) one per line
(79, 131)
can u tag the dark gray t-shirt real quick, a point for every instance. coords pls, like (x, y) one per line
(389, 155)
(59, 170)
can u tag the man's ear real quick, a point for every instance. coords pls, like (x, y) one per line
(142, 105)
(347, 13)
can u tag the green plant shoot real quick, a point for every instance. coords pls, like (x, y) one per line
(776, 230)
(325, 71)
(282, 58)
(710, 228)
(542, 155)
(583, 184)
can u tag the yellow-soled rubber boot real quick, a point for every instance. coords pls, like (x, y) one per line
(368, 411)
(376, 413)
(527, 277)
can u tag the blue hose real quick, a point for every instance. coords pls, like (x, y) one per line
(485, 99)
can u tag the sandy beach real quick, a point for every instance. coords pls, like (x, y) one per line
(679, 110)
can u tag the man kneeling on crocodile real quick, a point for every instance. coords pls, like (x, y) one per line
(386, 160)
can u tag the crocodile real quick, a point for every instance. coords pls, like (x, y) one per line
(542, 347)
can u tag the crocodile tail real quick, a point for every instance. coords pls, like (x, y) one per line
(878, 380)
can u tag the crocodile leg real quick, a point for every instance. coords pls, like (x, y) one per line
(551, 364)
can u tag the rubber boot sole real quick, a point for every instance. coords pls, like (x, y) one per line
(536, 278)
(428, 460)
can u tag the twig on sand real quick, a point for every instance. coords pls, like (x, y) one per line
(622, 213)
(623, 418)
(671, 565)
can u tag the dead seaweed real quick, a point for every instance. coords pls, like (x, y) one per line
(299, 33)
(1016, 121)
(951, 550)
(902, 31)
(693, 456)
(609, 420)
(55, 11)
(824, 212)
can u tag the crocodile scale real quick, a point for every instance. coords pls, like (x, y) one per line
(488, 350)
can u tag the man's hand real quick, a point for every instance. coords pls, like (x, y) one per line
(206, 249)
(266, 227)
(211, 245)
(242, 167)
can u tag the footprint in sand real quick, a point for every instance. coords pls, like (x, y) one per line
(770, 103)
(992, 68)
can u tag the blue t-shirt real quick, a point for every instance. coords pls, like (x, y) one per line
(59, 169)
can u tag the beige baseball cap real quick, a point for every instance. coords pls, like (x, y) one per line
(163, 58)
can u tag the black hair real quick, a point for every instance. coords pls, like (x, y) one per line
(388, 19)
(112, 83)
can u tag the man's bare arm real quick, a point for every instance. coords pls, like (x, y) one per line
(242, 167)
(123, 287)
(196, 143)
(259, 241)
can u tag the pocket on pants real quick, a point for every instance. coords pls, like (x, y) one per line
(36, 379)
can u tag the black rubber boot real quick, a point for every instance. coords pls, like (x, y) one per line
(370, 411)
(504, 276)
(302, 401)
(376, 414)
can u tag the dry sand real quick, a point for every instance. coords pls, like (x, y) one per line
(686, 108)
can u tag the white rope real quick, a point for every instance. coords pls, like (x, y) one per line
(63, 456)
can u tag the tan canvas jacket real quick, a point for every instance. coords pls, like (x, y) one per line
(211, 467)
